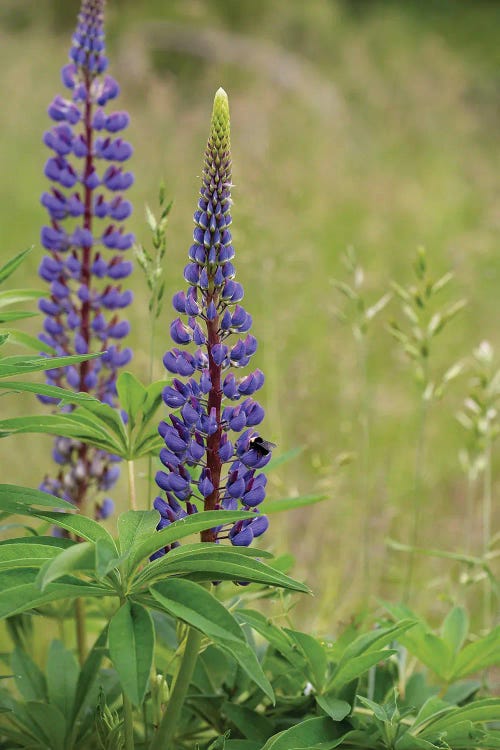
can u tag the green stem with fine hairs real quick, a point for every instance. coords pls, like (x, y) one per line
(81, 632)
(168, 725)
(132, 499)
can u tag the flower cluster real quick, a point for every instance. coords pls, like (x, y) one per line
(203, 462)
(85, 239)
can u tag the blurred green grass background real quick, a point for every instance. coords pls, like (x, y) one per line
(364, 123)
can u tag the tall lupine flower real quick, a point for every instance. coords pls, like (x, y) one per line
(212, 451)
(86, 239)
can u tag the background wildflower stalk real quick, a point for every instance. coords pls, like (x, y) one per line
(152, 266)
(424, 321)
(86, 210)
(204, 465)
(479, 416)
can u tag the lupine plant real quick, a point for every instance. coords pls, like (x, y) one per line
(183, 656)
(204, 463)
(86, 240)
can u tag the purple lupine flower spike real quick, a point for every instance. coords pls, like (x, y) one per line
(204, 461)
(85, 239)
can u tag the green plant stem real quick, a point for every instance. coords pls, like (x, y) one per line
(487, 505)
(469, 500)
(416, 496)
(132, 498)
(128, 723)
(62, 631)
(364, 484)
(168, 724)
(81, 632)
(150, 376)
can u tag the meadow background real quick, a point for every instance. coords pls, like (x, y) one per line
(370, 124)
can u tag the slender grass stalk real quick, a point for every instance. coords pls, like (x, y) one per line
(168, 725)
(416, 496)
(487, 510)
(364, 484)
(128, 723)
(81, 630)
(152, 322)
(132, 496)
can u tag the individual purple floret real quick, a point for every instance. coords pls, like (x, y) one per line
(204, 460)
(85, 239)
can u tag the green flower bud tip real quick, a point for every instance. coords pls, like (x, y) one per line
(220, 126)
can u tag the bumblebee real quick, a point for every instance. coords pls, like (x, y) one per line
(261, 446)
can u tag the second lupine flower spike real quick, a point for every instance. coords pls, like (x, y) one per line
(212, 450)
(85, 240)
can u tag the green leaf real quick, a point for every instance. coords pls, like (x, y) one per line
(8, 268)
(131, 395)
(335, 708)
(19, 592)
(131, 646)
(9, 317)
(251, 724)
(30, 680)
(79, 525)
(306, 735)
(136, 527)
(455, 628)
(230, 566)
(184, 527)
(23, 500)
(248, 661)
(13, 296)
(63, 394)
(62, 676)
(375, 639)
(273, 635)
(78, 558)
(109, 419)
(487, 709)
(157, 569)
(20, 365)
(73, 425)
(31, 342)
(27, 553)
(194, 605)
(89, 674)
(106, 558)
(481, 654)
(153, 399)
(357, 666)
(290, 503)
(50, 722)
(378, 711)
(314, 654)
